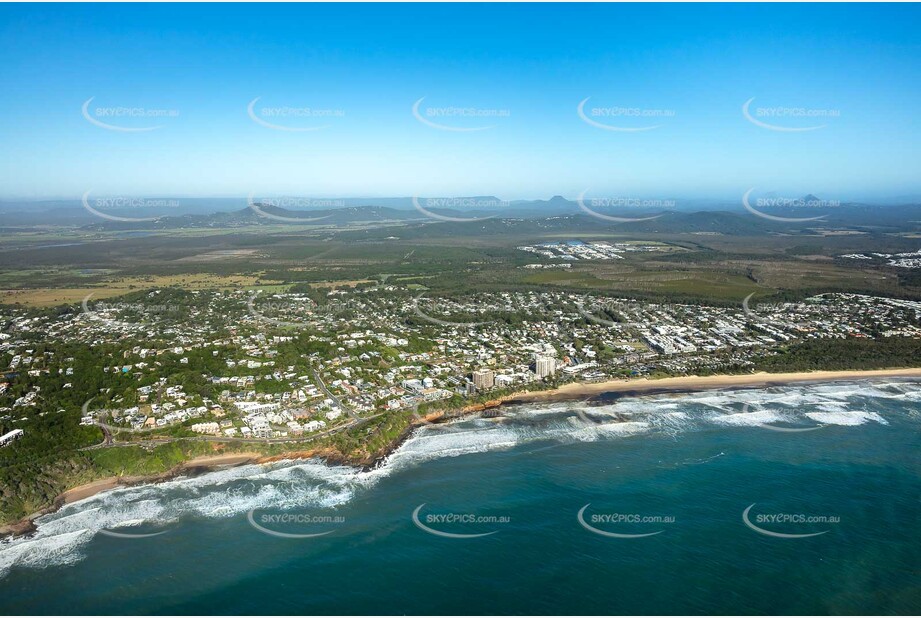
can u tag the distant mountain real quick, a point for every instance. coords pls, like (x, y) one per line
(73, 211)
(355, 211)
(265, 214)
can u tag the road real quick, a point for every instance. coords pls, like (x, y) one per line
(109, 430)
(165, 440)
(326, 391)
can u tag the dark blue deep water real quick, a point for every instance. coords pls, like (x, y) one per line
(683, 467)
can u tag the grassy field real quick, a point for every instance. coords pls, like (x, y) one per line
(46, 270)
(52, 296)
(716, 285)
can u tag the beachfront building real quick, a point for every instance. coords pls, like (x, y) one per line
(544, 366)
(212, 428)
(483, 378)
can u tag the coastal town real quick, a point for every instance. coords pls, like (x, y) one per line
(245, 365)
(482, 309)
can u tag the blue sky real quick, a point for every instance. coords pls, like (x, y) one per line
(688, 68)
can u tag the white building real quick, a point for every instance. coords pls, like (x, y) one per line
(256, 407)
(484, 378)
(9, 437)
(544, 366)
(212, 428)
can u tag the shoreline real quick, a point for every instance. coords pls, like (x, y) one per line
(690, 384)
(573, 391)
(194, 466)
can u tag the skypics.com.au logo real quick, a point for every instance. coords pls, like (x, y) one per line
(592, 206)
(622, 119)
(482, 208)
(454, 525)
(139, 313)
(283, 208)
(783, 119)
(294, 311)
(457, 119)
(428, 308)
(809, 203)
(291, 119)
(113, 208)
(125, 119)
(287, 524)
(594, 309)
(617, 525)
(771, 524)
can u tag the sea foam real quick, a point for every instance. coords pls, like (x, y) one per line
(61, 537)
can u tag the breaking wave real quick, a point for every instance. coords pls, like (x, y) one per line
(61, 537)
(148, 509)
(856, 417)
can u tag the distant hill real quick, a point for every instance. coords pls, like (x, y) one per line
(668, 223)
(699, 216)
(266, 215)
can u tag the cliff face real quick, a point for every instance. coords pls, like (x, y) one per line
(488, 405)
(32, 487)
(330, 454)
(44, 492)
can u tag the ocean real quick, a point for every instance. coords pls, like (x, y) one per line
(801, 499)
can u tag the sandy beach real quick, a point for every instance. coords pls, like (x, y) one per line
(580, 390)
(81, 492)
(567, 392)
(208, 461)
(90, 489)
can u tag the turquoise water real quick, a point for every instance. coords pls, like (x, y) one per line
(690, 465)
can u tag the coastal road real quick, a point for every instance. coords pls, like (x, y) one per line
(326, 391)
(166, 440)
(106, 434)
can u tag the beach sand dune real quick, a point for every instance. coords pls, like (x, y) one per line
(207, 461)
(579, 390)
